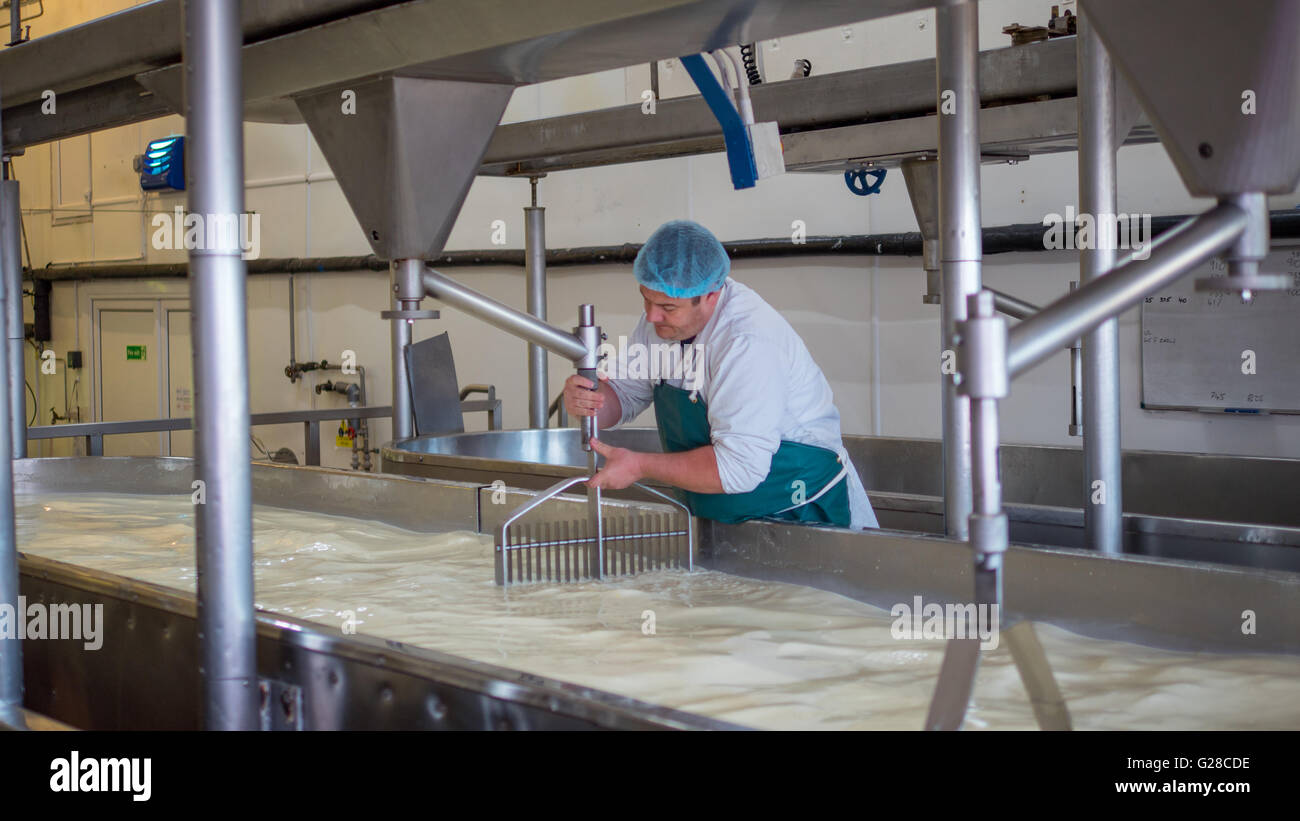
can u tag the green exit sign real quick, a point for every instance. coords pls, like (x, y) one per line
(134, 352)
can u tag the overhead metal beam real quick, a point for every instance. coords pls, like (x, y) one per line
(141, 38)
(811, 106)
(507, 42)
(829, 123)
(117, 102)
(97, 89)
(1008, 133)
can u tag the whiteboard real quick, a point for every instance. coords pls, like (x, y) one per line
(1197, 346)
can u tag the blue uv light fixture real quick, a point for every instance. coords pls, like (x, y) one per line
(163, 165)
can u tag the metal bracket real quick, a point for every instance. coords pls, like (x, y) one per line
(281, 705)
(397, 314)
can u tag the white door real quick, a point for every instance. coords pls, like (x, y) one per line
(142, 371)
(127, 373)
(180, 376)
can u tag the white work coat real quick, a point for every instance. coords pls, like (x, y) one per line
(761, 386)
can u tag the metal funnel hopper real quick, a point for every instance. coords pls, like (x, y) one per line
(405, 151)
(1221, 83)
(922, 178)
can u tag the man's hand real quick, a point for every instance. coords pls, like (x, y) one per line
(580, 399)
(622, 467)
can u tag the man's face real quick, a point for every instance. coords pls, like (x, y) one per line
(677, 319)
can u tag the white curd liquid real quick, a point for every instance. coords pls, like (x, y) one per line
(762, 654)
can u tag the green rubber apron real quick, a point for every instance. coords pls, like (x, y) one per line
(806, 483)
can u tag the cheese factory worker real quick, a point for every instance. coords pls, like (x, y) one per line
(751, 429)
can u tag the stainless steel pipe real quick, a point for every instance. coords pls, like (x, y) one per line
(960, 237)
(1103, 505)
(11, 270)
(982, 358)
(1246, 254)
(1076, 382)
(535, 273)
(588, 332)
(11, 649)
(499, 315)
(224, 525)
(293, 321)
(986, 382)
(1013, 307)
(1171, 256)
(407, 289)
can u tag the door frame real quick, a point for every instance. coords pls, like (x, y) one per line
(158, 306)
(165, 309)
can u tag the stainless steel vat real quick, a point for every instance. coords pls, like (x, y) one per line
(313, 676)
(316, 677)
(1225, 509)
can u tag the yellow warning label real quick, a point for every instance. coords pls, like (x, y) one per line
(343, 438)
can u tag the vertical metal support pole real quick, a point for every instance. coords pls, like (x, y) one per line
(11, 649)
(311, 443)
(1076, 381)
(224, 525)
(293, 321)
(986, 368)
(535, 256)
(960, 245)
(15, 22)
(982, 354)
(1103, 504)
(407, 290)
(11, 267)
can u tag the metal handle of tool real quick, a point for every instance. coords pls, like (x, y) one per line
(590, 425)
(588, 333)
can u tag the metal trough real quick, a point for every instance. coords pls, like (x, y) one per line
(1222, 509)
(315, 677)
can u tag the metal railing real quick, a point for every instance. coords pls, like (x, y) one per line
(558, 410)
(491, 405)
(94, 432)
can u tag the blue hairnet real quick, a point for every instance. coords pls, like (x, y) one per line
(682, 259)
